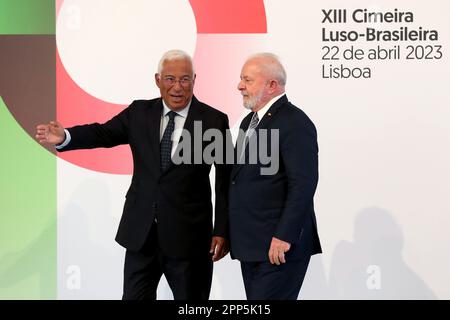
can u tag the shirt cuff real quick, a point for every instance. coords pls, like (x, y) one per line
(66, 142)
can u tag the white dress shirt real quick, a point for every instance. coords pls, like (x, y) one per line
(180, 119)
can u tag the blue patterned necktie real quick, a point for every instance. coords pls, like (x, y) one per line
(166, 141)
(252, 125)
(251, 129)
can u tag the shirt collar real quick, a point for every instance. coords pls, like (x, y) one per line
(261, 112)
(183, 113)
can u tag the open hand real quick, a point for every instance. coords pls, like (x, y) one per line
(52, 133)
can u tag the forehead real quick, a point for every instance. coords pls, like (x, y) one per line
(178, 66)
(252, 68)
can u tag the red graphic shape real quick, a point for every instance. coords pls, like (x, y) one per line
(74, 106)
(229, 16)
(58, 4)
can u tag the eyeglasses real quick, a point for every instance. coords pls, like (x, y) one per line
(184, 82)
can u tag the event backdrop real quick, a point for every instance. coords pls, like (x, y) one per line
(374, 76)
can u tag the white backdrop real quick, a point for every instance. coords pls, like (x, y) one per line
(381, 201)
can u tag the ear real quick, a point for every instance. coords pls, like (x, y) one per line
(273, 85)
(193, 79)
(158, 80)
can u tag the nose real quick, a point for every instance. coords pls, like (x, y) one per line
(177, 85)
(241, 85)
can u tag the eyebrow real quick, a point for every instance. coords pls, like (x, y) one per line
(172, 76)
(184, 76)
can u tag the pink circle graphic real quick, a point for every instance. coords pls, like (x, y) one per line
(222, 40)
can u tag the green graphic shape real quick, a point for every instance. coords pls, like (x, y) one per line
(27, 16)
(27, 214)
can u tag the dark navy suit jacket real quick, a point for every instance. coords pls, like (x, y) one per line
(278, 205)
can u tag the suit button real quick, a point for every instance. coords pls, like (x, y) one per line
(233, 182)
(154, 205)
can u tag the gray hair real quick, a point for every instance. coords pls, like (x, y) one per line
(174, 55)
(272, 66)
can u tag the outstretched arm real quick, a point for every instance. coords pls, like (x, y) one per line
(109, 134)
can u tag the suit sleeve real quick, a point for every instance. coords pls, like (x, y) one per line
(223, 171)
(109, 134)
(299, 154)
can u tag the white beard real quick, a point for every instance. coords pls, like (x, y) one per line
(251, 103)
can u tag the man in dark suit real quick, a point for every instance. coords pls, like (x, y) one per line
(273, 230)
(166, 225)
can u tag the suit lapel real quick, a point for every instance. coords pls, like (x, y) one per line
(194, 114)
(265, 121)
(263, 124)
(153, 128)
